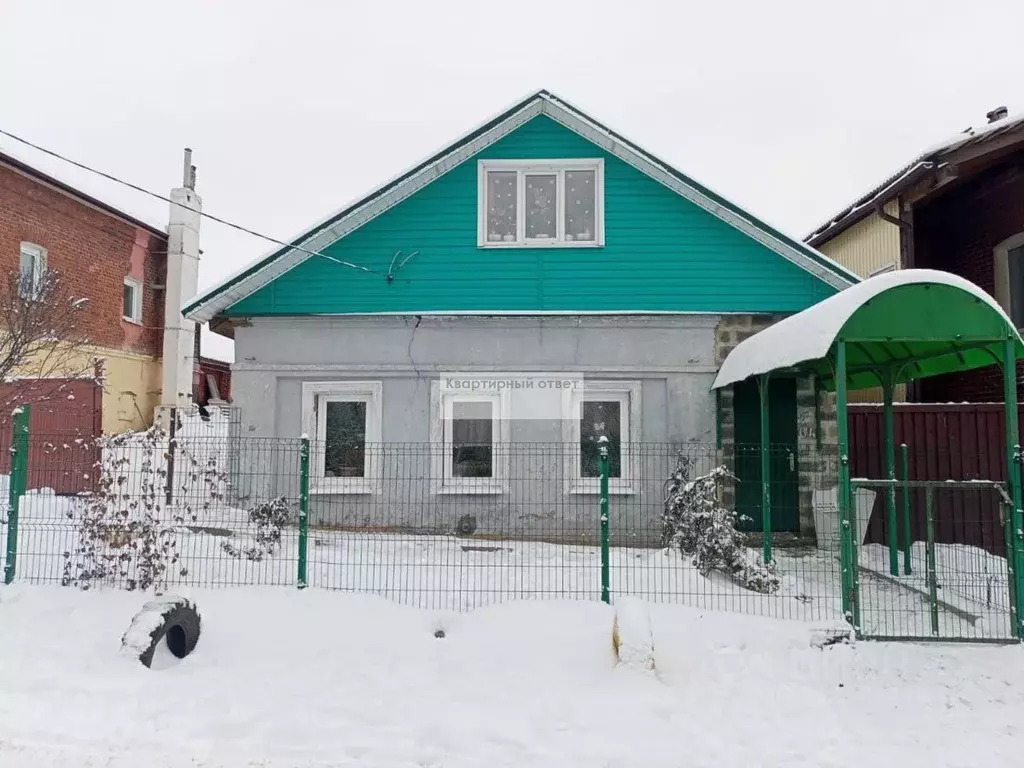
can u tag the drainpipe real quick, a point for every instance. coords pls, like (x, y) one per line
(884, 216)
(907, 180)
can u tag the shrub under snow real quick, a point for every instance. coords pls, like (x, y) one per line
(127, 532)
(269, 517)
(696, 522)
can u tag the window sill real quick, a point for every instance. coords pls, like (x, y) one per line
(342, 487)
(594, 489)
(495, 488)
(542, 244)
(131, 320)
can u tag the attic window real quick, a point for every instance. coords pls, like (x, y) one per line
(541, 203)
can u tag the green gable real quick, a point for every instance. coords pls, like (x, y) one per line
(662, 253)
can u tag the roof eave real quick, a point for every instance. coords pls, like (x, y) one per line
(866, 206)
(67, 189)
(933, 158)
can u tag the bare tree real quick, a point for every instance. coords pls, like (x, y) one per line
(42, 338)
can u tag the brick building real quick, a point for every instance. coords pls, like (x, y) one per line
(120, 264)
(958, 207)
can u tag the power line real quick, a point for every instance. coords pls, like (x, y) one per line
(209, 216)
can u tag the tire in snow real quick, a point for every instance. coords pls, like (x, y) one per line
(173, 619)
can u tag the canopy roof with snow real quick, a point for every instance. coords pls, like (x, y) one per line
(921, 322)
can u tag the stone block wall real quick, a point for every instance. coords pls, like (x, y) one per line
(817, 431)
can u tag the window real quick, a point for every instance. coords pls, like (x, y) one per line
(1009, 270)
(32, 271)
(528, 204)
(131, 301)
(602, 409)
(344, 420)
(469, 436)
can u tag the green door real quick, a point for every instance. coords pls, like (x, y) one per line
(783, 457)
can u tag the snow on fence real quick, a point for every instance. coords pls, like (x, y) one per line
(211, 509)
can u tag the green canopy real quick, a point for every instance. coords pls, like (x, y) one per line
(911, 324)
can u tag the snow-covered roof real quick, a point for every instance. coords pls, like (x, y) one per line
(77, 184)
(276, 262)
(809, 335)
(926, 161)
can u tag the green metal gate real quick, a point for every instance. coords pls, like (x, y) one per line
(923, 584)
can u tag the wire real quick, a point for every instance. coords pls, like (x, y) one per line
(209, 216)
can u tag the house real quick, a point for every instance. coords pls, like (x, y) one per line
(130, 276)
(958, 207)
(457, 341)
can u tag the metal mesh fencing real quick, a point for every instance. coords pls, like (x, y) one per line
(441, 527)
(150, 511)
(937, 567)
(436, 541)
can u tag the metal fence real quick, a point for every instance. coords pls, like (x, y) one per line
(428, 526)
(930, 585)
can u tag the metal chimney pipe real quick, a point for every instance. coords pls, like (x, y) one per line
(997, 114)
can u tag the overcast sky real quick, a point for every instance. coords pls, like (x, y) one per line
(790, 108)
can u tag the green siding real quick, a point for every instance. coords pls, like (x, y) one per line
(661, 253)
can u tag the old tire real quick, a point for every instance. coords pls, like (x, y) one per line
(171, 619)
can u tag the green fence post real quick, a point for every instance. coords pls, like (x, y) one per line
(1006, 517)
(890, 473)
(907, 534)
(303, 509)
(605, 565)
(1013, 468)
(844, 493)
(763, 383)
(932, 576)
(16, 487)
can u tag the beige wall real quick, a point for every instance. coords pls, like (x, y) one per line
(131, 387)
(868, 245)
(131, 390)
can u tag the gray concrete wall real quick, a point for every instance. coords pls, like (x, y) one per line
(672, 356)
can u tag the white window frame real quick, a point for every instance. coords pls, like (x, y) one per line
(136, 315)
(524, 168)
(1001, 259)
(628, 394)
(314, 424)
(442, 402)
(39, 258)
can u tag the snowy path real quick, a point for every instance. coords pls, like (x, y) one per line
(283, 679)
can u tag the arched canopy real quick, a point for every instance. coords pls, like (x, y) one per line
(914, 323)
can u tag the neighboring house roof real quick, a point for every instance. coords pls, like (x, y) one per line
(341, 223)
(45, 178)
(923, 164)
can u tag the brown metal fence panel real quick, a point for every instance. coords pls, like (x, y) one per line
(944, 442)
(66, 417)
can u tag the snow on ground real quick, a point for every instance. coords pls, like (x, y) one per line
(972, 586)
(283, 678)
(460, 574)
